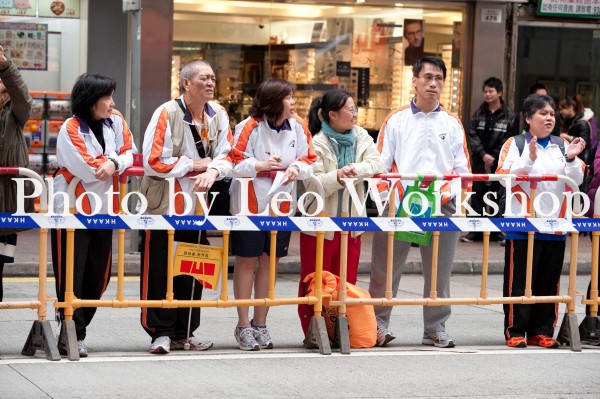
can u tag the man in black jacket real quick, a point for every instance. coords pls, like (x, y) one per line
(491, 125)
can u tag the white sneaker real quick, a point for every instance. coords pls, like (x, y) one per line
(161, 346)
(193, 344)
(82, 349)
(439, 339)
(262, 336)
(245, 338)
(384, 336)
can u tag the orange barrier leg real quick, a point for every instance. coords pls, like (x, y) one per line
(589, 329)
(68, 336)
(225, 265)
(569, 330)
(41, 336)
(316, 336)
(342, 337)
(484, 264)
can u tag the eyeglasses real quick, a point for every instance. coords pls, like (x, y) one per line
(353, 111)
(413, 34)
(439, 79)
(206, 78)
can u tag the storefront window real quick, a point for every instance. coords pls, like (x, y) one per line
(571, 63)
(368, 51)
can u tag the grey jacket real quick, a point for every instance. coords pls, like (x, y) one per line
(13, 148)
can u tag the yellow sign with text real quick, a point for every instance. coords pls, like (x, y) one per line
(202, 262)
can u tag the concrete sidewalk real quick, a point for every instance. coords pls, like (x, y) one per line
(467, 260)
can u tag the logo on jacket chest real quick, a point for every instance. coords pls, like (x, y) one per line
(443, 135)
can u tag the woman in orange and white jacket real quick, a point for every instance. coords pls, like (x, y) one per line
(92, 145)
(272, 138)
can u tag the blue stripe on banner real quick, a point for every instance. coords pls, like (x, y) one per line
(587, 224)
(274, 223)
(358, 224)
(266, 223)
(102, 222)
(8, 220)
(513, 224)
(190, 222)
(436, 224)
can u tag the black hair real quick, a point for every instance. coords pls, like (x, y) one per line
(428, 59)
(537, 86)
(333, 100)
(87, 90)
(571, 101)
(533, 103)
(269, 98)
(495, 83)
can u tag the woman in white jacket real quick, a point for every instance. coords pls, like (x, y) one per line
(272, 138)
(343, 150)
(534, 324)
(92, 145)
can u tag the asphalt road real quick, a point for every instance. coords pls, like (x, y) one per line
(119, 364)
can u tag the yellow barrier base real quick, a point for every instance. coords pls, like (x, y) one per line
(569, 333)
(316, 336)
(589, 330)
(41, 338)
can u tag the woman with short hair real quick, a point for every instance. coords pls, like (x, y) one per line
(272, 138)
(95, 144)
(541, 154)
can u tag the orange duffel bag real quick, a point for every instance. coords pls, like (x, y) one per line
(362, 324)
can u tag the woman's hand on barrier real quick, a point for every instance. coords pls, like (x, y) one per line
(347, 171)
(274, 162)
(533, 149)
(575, 148)
(291, 174)
(200, 165)
(105, 171)
(205, 180)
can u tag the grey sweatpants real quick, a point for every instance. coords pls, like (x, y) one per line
(434, 317)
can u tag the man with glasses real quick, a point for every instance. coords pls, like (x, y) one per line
(421, 137)
(185, 135)
(413, 33)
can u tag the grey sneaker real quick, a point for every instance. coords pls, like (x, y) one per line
(82, 349)
(262, 336)
(161, 346)
(192, 343)
(440, 339)
(245, 338)
(384, 336)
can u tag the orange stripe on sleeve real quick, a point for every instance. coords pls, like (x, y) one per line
(79, 144)
(240, 147)
(503, 154)
(384, 124)
(312, 156)
(158, 143)
(127, 139)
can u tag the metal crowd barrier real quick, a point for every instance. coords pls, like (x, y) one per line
(71, 302)
(317, 334)
(40, 336)
(568, 333)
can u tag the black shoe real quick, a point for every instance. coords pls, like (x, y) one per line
(496, 237)
(471, 237)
